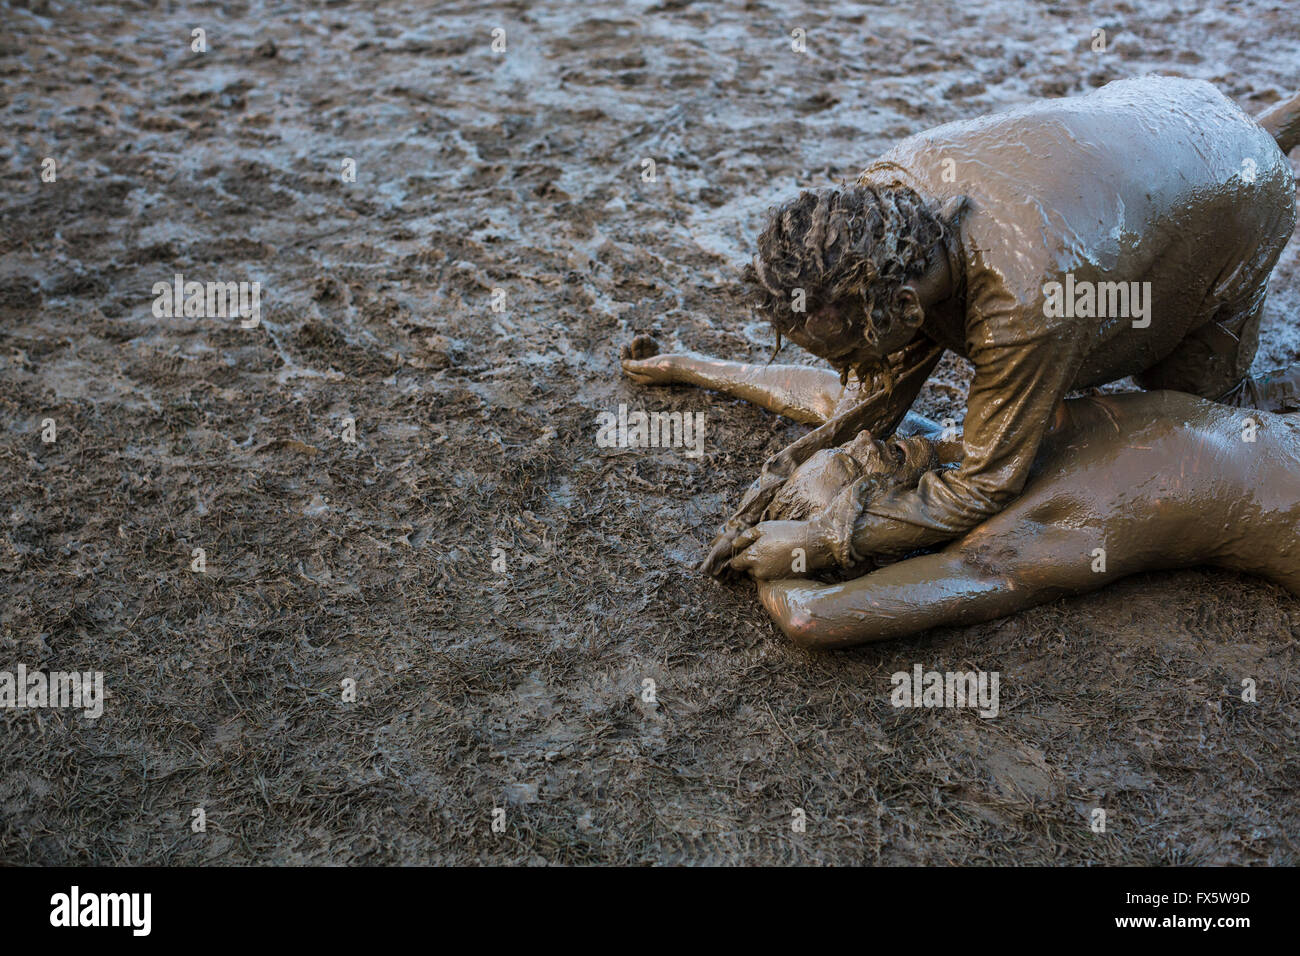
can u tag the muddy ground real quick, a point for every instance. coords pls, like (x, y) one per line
(372, 561)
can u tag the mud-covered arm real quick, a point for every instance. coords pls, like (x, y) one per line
(1023, 367)
(879, 414)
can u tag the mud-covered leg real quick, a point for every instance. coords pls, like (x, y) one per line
(1213, 361)
(1007, 565)
(799, 392)
(934, 590)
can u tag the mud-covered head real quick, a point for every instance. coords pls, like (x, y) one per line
(870, 467)
(851, 251)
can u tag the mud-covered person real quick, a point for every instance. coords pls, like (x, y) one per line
(968, 236)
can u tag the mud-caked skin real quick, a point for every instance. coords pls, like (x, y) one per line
(1162, 185)
(1156, 180)
(1121, 484)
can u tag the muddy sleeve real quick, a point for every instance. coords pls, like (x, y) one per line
(1022, 369)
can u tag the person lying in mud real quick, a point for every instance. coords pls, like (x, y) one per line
(1061, 245)
(1121, 484)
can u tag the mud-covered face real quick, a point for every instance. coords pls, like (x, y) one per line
(835, 332)
(814, 485)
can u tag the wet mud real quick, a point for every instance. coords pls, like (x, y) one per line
(329, 560)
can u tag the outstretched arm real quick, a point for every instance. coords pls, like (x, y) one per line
(799, 392)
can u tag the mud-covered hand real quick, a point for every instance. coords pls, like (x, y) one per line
(781, 549)
(644, 362)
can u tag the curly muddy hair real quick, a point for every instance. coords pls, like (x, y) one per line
(855, 244)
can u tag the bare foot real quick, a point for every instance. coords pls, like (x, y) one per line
(644, 364)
